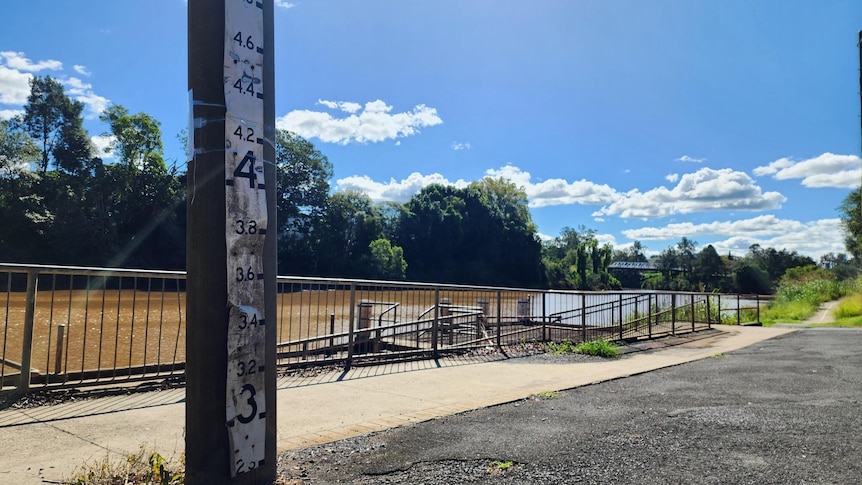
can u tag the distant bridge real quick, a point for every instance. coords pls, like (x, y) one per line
(641, 266)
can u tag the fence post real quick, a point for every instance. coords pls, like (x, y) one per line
(350, 326)
(673, 314)
(708, 313)
(717, 312)
(435, 325)
(331, 332)
(621, 316)
(27, 344)
(692, 312)
(583, 317)
(58, 355)
(738, 311)
(499, 320)
(757, 299)
(649, 315)
(544, 317)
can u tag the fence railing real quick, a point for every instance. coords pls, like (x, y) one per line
(72, 326)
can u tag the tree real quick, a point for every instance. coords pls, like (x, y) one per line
(22, 209)
(302, 189)
(709, 268)
(851, 222)
(385, 261)
(137, 138)
(346, 231)
(73, 150)
(44, 114)
(137, 199)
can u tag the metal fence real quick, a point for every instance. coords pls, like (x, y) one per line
(75, 327)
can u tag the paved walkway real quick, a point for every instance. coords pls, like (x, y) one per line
(47, 444)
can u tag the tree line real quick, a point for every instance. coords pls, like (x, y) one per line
(61, 203)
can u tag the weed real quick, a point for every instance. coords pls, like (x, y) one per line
(600, 348)
(548, 395)
(719, 356)
(564, 347)
(500, 466)
(146, 467)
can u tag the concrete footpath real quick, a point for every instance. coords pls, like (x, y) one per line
(48, 444)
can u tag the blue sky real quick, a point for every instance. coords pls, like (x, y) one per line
(731, 123)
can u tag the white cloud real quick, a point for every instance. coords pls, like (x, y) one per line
(809, 238)
(83, 92)
(284, 4)
(826, 170)
(812, 239)
(457, 145)
(686, 158)
(346, 106)
(704, 190)
(103, 145)
(552, 192)
(372, 123)
(8, 114)
(81, 70)
(398, 191)
(760, 226)
(17, 61)
(14, 86)
(672, 177)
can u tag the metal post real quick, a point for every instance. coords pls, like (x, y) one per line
(757, 299)
(350, 327)
(331, 332)
(718, 312)
(544, 317)
(649, 316)
(583, 317)
(673, 314)
(27, 344)
(621, 316)
(230, 413)
(738, 311)
(708, 313)
(58, 354)
(499, 320)
(435, 325)
(692, 312)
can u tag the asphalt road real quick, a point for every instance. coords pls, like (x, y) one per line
(786, 410)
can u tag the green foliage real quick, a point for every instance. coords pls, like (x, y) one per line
(500, 466)
(564, 347)
(147, 467)
(848, 307)
(801, 293)
(599, 348)
(548, 395)
(851, 222)
(385, 261)
(481, 234)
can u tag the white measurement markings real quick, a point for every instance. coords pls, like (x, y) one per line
(245, 232)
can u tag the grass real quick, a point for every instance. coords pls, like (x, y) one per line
(548, 395)
(599, 348)
(147, 467)
(501, 466)
(798, 300)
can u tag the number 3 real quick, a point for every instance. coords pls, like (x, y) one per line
(251, 402)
